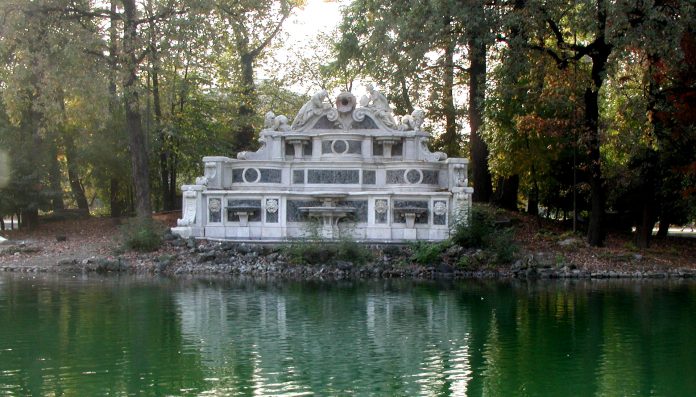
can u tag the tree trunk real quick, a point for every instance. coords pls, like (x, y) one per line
(599, 55)
(138, 142)
(404, 94)
(30, 218)
(114, 200)
(164, 152)
(165, 144)
(506, 192)
(533, 201)
(477, 89)
(76, 187)
(645, 225)
(450, 140)
(54, 179)
(595, 230)
(663, 230)
(244, 134)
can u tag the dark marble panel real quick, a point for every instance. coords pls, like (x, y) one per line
(237, 175)
(369, 177)
(271, 217)
(354, 147)
(325, 124)
(289, 149)
(254, 217)
(430, 177)
(326, 147)
(366, 124)
(395, 177)
(270, 175)
(360, 214)
(298, 177)
(420, 218)
(377, 149)
(293, 214)
(292, 210)
(398, 149)
(333, 176)
(410, 203)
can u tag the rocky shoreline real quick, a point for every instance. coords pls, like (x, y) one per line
(187, 257)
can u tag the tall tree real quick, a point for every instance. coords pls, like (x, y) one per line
(427, 46)
(254, 25)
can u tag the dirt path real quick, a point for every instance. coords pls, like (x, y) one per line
(62, 240)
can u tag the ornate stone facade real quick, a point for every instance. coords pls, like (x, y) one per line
(339, 168)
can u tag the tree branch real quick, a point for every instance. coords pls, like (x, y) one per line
(73, 12)
(254, 53)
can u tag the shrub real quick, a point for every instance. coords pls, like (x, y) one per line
(429, 253)
(352, 251)
(143, 235)
(477, 229)
(319, 251)
(480, 232)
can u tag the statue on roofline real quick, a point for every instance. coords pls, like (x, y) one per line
(276, 123)
(413, 121)
(378, 103)
(314, 107)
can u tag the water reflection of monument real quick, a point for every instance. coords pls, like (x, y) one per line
(348, 168)
(308, 341)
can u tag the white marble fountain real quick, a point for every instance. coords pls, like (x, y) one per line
(338, 170)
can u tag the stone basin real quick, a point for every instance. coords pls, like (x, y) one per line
(329, 216)
(243, 212)
(410, 214)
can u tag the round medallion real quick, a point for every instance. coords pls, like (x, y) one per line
(251, 175)
(339, 146)
(413, 176)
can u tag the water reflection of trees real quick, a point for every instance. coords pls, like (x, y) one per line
(102, 336)
(478, 338)
(144, 337)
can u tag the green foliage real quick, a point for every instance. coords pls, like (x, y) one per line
(316, 251)
(142, 235)
(480, 232)
(466, 262)
(350, 250)
(501, 245)
(428, 253)
(477, 230)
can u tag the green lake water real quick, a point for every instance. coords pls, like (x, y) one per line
(95, 336)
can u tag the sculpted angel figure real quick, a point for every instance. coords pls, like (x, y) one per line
(313, 107)
(414, 121)
(276, 123)
(376, 101)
